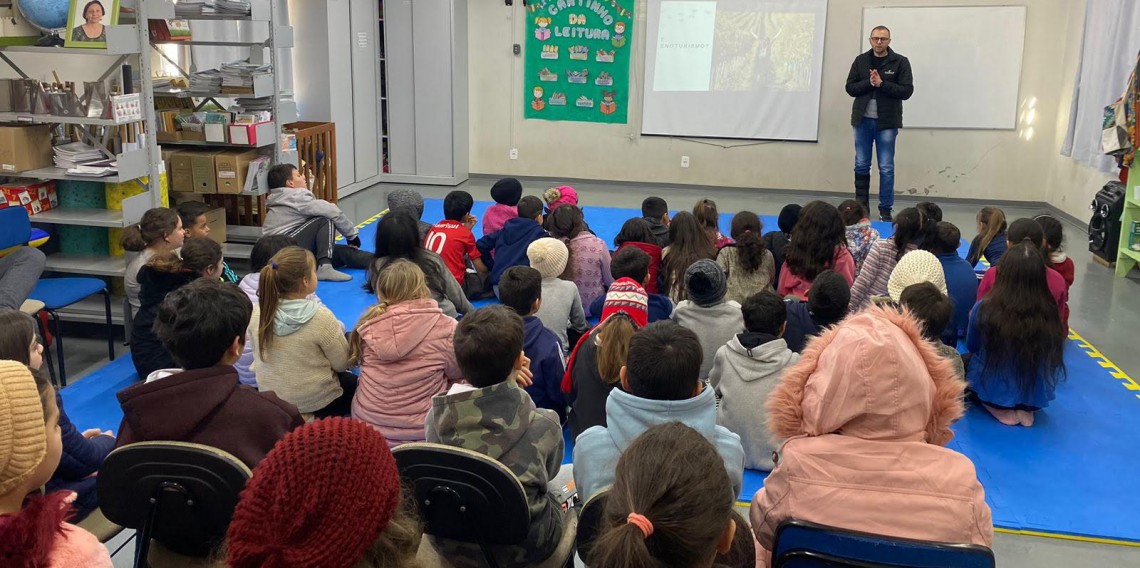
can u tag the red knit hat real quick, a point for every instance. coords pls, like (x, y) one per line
(321, 498)
(626, 295)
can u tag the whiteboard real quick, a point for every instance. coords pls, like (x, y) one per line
(966, 62)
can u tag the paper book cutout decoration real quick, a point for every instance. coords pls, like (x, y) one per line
(579, 52)
(537, 104)
(604, 79)
(550, 52)
(608, 106)
(584, 102)
(578, 77)
(542, 32)
(558, 99)
(547, 75)
(619, 34)
(603, 56)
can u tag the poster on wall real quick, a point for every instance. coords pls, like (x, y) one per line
(577, 60)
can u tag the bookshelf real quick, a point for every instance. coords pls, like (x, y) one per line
(1126, 258)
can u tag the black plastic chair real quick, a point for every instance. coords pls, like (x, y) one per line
(468, 497)
(589, 521)
(179, 494)
(802, 544)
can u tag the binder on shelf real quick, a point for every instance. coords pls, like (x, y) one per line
(244, 134)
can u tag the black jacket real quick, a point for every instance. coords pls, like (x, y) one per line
(147, 351)
(898, 86)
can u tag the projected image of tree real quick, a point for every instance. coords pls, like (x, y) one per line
(765, 50)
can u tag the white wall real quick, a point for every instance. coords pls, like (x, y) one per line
(1008, 165)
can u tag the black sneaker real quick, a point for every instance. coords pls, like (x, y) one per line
(885, 215)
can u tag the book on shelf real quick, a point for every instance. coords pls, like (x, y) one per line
(169, 30)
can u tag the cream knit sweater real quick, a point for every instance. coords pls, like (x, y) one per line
(301, 367)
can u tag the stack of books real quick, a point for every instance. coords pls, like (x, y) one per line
(237, 76)
(82, 159)
(233, 7)
(207, 82)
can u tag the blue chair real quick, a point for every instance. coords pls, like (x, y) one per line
(802, 544)
(59, 293)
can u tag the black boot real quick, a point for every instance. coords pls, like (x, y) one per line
(863, 191)
(885, 215)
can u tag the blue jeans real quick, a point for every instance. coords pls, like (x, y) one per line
(866, 134)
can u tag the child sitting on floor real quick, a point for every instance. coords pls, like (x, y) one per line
(561, 309)
(35, 528)
(203, 324)
(818, 243)
(709, 218)
(991, 241)
(633, 263)
(655, 211)
(200, 258)
(776, 241)
(299, 347)
(454, 242)
(1028, 230)
(521, 290)
(637, 233)
(749, 266)
(506, 192)
(498, 419)
(507, 247)
(916, 266)
(685, 504)
(589, 264)
(690, 243)
(933, 310)
(827, 305)
(411, 202)
(876, 271)
(744, 372)
(404, 348)
(196, 225)
(1017, 338)
(556, 197)
(961, 280)
(1055, 256)
(706, 312)
(398, 238)
(159, 232)
(861, 236)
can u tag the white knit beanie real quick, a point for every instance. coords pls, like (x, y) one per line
(548, 256)
(915, 267)
(23, 434)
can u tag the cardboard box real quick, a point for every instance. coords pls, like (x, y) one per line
(202, 170)
(231, 168)
(216, 219)
(35, 196)
(245, 134)
(181, 171)
(25, 147)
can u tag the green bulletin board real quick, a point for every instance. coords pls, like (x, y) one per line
(577, 60)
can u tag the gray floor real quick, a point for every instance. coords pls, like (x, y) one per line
(1103, 310)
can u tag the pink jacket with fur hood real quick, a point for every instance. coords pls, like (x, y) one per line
(866, 413)
(408, 357)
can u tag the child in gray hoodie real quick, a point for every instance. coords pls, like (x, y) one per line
(706, 312)
(744, 372)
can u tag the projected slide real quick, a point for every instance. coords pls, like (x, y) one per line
(734, 68)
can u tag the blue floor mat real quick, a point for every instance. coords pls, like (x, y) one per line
(1087, 438)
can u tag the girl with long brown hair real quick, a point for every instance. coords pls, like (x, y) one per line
(690, 243)
(159, 232)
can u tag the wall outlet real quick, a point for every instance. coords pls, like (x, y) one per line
(684, 161)
(514, 153)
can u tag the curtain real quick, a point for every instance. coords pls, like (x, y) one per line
(1109, 47)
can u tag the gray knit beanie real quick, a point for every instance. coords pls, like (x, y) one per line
(406, 200)
(706, 282)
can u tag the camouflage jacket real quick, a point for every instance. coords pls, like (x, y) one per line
(502, 423)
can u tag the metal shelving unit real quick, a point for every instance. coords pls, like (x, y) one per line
(125, 42)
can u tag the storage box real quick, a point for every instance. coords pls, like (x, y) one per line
(202, 170)
(231, 168)
(35, 196)
(216, 219)
(181, 171)
(244, 134)
(24, 147)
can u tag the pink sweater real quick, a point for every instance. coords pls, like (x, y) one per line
(408, 358)
(591, 261)
(792, 284)
(496, 215)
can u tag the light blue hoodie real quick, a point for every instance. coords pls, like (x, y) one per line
(597, 450)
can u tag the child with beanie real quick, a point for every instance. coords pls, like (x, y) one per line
(633, 263)
(34, 526)
(589, 265)
(655, 211)
(714, 320)
(507, 247)
(659, 384)
(746, 370)
(827, 304)
(593, 369)
(558, 196)
(327, 496)
(411, 201)
(561, 308)
(521, 290)
(916, 267)
(506, 192)
(203, 324)
(403, 346)
(776, 241)
(930, 306)
(499, 420)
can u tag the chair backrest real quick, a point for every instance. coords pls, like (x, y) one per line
(185, 493)
(463, 495)
(801, 544)
(15, 227)
(589, 522)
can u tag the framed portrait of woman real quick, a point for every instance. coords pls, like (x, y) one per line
(87, 22)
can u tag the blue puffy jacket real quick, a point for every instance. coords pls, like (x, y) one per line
(507, 247)
(82, 457)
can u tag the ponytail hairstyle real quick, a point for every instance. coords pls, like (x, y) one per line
(852, 212)
(156, 225)
(564, 223)
(1054, 235)
(664, 511)
(399, 281)
(817, 233)
(708, 217)
(286, 273)
(198, 255)
(1026, 229)
(1019, 321)
(689, 244)
(612, 338)
(746, 231)
(993, 221)
(635, 230)
(908, 230)
(931, 215)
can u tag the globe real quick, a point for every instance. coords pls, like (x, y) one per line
(47, 15)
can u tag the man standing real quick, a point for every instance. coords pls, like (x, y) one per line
(880, 80)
